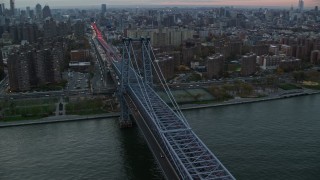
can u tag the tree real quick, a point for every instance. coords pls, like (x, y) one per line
(219, 93)
(299, 75)
(279, 71)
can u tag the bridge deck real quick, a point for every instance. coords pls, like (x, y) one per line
(192, 159)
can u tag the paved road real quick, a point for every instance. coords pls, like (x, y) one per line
(152, 142)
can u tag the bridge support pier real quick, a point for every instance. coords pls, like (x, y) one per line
(125, 124)
(124, 120)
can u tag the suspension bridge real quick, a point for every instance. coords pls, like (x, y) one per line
(178, 150)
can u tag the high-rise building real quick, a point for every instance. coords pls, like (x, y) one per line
(45, 66)
(103, 8)
(46, 12)
(25, 31)
(28, 11)
(79, 29)
(248, 64)
(301, 5)
(50, 28)
(12, 72)
(23, 15)
(163, 37)
(12, 8)
(18, 70)
(316, 8)
(166, 65)
(1, 10)
(57, 58)
(31, 14)
(215, 66)
(315, 57)
(31, 57)
(38, 11)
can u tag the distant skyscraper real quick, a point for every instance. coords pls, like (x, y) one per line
(31, 14)
(1, 12)
(28, 11)
(301, 5)
(12, 9)
(38, 11)
(103, 8)
(3, 8)
(46, 12)
(316, 8)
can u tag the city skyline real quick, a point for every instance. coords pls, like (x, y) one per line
(249, 3)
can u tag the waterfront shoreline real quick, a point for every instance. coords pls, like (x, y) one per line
(57, 119)
(73, 118)
(249, 100)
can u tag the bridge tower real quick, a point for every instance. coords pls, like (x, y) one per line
(127, 51)
(125, 120)
(147, 61)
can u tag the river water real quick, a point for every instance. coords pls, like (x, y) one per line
(267, 140)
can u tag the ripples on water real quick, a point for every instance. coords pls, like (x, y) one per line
(77, 150)
(270, 140)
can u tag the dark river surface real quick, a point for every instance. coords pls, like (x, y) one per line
(267, 140)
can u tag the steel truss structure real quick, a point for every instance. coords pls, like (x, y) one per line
(124, 116)
(190, 157)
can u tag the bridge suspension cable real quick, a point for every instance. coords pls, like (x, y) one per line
(166, 88)
(142, 87)
(187, 154)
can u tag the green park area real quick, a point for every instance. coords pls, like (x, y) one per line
(185, 96)
(288, 86)
(217, 93)
(11, 110)
(51, 87)
(86, 107)
(309, 79)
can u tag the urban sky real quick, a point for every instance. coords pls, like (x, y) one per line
(77, 3)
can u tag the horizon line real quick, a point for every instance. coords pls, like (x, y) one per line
(166, 6)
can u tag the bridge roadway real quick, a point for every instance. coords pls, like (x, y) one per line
(152, 142)
(178, 150)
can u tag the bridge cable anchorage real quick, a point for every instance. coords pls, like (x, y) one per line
(166, 88)
(143, 89)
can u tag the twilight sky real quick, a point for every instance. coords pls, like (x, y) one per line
(59, 3)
